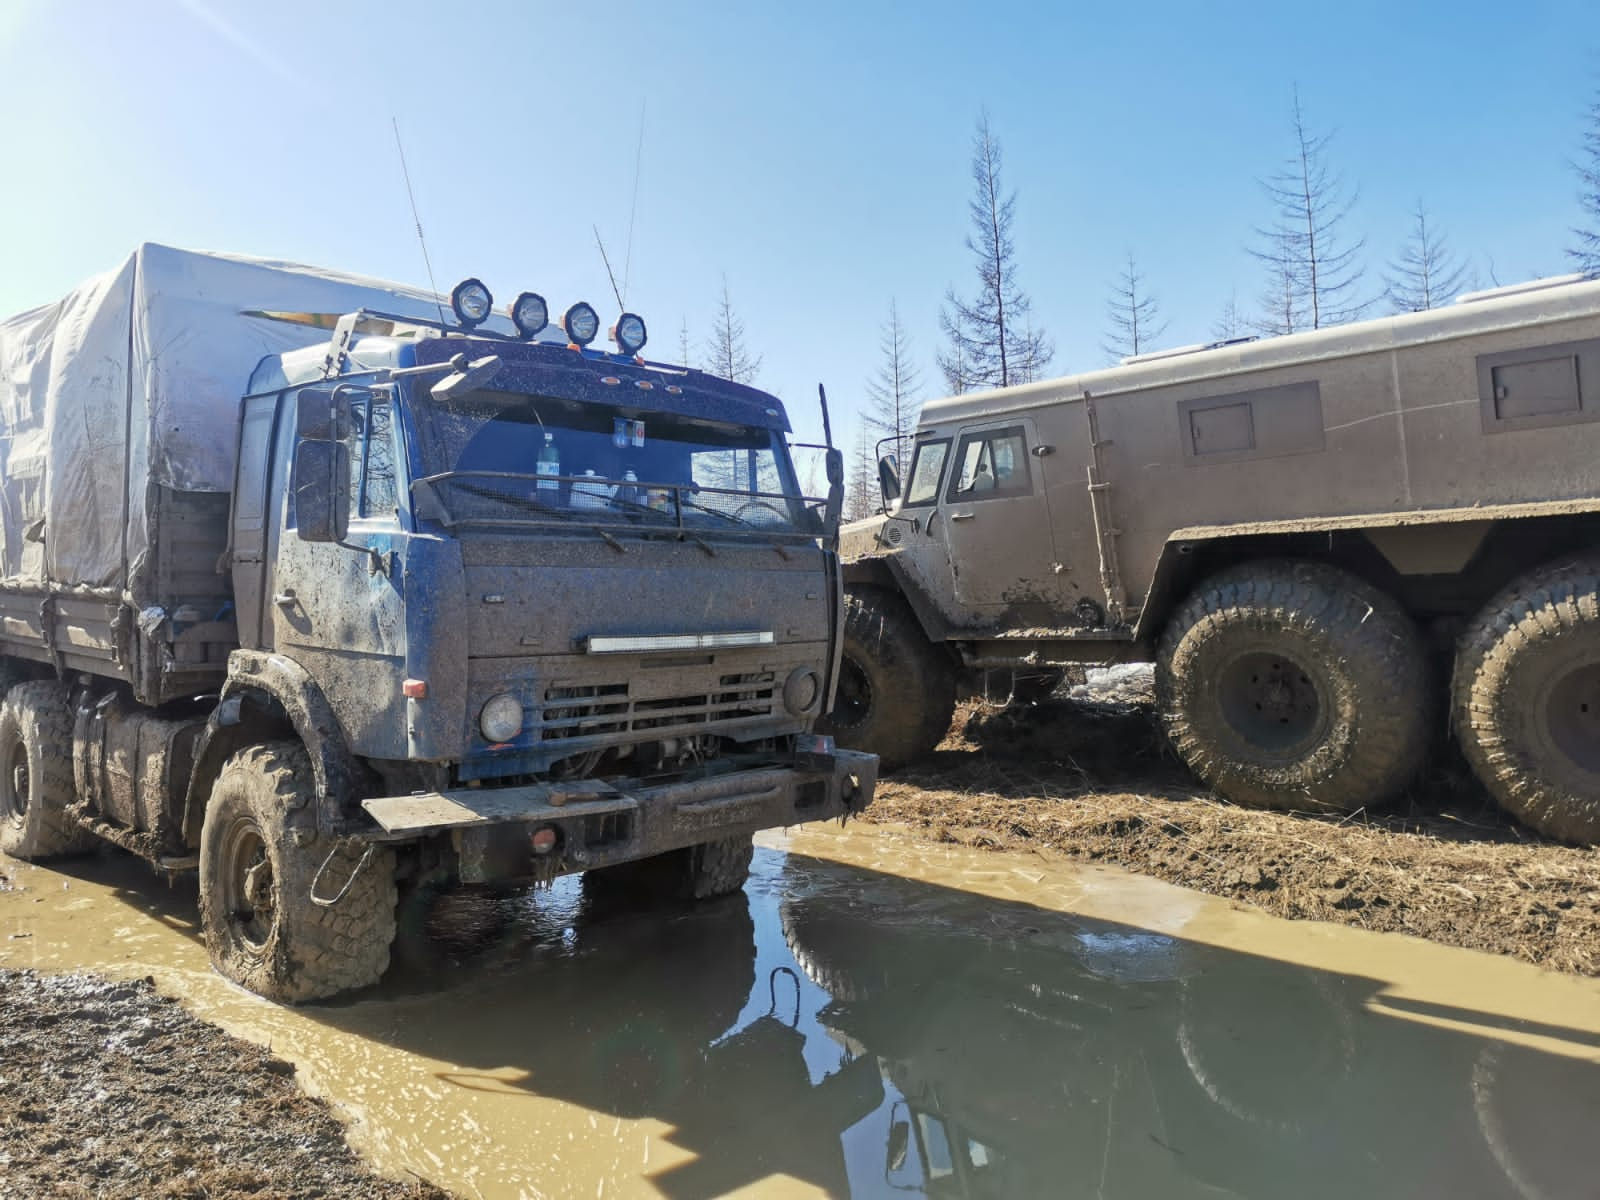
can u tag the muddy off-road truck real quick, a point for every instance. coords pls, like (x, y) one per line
(337, 600)
(1326, 542)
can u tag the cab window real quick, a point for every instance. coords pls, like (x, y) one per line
(990, 464)
(927, 467)
(373, 493)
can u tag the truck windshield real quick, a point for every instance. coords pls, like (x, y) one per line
(501, 457)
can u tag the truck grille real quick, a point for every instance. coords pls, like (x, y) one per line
(598, 710)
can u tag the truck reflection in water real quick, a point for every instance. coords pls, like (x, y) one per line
(870, 1035)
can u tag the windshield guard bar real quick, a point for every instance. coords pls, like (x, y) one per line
(603, 513)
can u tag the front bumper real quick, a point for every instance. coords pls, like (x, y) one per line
(602, 823)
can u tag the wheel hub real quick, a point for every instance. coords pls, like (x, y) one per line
(14, 800)
(1572, 715)
(852, 702)
(248, 893)
(1271, 702)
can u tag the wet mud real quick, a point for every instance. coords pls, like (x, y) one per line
(876, 1016)
(1087, 775)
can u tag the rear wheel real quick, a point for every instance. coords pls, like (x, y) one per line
(36, 784)
(897, 691)
(703, 872)
(1526, 700)
(260, 856)
(1295, 686)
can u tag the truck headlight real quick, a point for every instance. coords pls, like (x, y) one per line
(630, 333)
(582, 323)
(802, 692)
(501, 718)
(472, 302)
(529, 314)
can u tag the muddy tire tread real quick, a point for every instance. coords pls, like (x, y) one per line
(330, 950)
(885, 639)
(1364, 623)
(44, 722)
(1553, 602)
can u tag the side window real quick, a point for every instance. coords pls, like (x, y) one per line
(372, 478)
(990, 464)
(927, 467)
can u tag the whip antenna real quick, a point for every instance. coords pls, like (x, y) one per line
(633, 208)
(421, 241)
(611, 275)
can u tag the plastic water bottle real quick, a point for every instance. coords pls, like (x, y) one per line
(548, 467)
(630, 487)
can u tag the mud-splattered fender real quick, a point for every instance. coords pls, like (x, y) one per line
(268, 696)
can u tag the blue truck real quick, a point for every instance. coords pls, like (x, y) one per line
(333, 596)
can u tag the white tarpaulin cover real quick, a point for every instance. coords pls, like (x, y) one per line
(134, 380)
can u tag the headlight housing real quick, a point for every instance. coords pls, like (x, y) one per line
(582, 323)
(472, 302)
(529, 314)
(501, 718)
(630, 333)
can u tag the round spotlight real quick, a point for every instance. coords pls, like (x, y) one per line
(529, 314)
(472, 302)
(630, 333)
(582, 323)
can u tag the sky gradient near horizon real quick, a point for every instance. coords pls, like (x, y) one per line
(816, 156)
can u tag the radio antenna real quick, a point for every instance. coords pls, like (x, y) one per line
(421, 241)
(610, 274)
(633, 208)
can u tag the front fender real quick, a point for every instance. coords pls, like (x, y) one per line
(267, 696)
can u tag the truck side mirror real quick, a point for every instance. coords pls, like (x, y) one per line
(833, 463)
(323, 414)
(320, 482)
(889, 478)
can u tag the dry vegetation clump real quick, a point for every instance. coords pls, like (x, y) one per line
(1089, 776)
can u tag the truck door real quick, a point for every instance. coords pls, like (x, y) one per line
(997, 526)
(338, 609)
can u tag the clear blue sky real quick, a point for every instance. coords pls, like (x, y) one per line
(816, 154)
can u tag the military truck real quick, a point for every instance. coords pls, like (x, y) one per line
(331, 597)
(1328, 543)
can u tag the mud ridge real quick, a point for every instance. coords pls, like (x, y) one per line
(1087, 775)
(110, 1089)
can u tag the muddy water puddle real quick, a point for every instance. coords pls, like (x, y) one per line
(877, 1017)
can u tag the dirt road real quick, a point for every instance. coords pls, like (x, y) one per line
(1087, 775)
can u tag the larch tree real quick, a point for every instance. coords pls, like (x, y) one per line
(989, 339)
(861, 498)
(1426, 274)
(1305, 249)
(683, 341)
(1133, 314)
(892, 403)
(1230, 324)
(726, 354)
(1585, 249)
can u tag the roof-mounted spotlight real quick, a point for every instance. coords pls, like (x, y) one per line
(472, 302)
(529, 314)
(582, 323)
(629, 333)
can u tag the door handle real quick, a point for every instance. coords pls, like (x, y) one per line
(962, 516)
(285, 598)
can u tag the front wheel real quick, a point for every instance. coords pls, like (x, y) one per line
(897, 691)
(1526, 700)
(260, 856)
(1295, 686)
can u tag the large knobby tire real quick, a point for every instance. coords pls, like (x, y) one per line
(703, 872)
(36, 784)
(897, 691)
(1526, 699)
(1295, 686)
(259, 854)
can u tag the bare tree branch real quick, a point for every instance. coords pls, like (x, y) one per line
(725, 351)
(892, 391)
(1585, 250)
(1134, 315)
(1426, 274)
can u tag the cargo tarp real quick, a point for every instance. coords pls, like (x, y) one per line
(133, 381)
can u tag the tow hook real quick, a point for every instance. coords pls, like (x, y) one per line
(360, 866)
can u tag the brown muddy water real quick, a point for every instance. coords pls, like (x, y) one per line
(879, 1017)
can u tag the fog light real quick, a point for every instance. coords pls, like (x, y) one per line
(544, 839)
(501, 718)
(802, 691)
